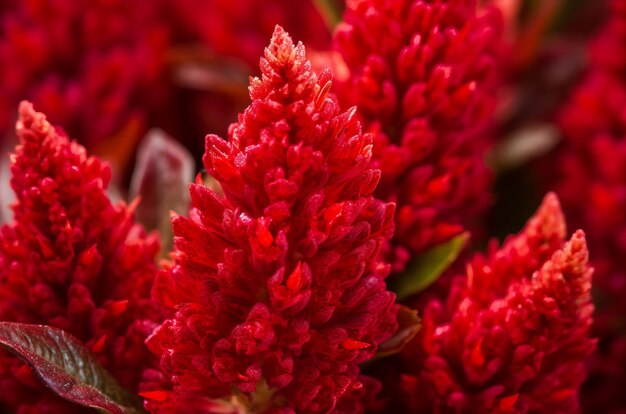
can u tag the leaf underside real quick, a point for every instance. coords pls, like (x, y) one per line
(67, 367)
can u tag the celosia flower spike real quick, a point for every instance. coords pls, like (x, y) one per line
(72, 260)
(423, 76)
(276, 290)
(517, 349)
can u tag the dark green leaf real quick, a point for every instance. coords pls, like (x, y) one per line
(427, 267)
(67, 368)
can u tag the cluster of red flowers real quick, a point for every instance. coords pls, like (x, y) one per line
(423, 76)
(73, 260)
(513, 334)
(590, 179)
(275, 296)
(93, 66)
(106, 69)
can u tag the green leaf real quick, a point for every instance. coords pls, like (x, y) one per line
(408, 326)
(426, 268)
(67, 367)
(329, 11)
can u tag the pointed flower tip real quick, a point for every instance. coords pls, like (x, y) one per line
(25, 108)
(576, 250)
(549, 220)
(282, 50)
(281, 39)
(580, 236)
(29, 118)
(551, 202)
(278, 33)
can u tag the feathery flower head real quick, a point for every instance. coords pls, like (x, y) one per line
(72, 259)
(423, 77)
(513, 336)
(276, 289)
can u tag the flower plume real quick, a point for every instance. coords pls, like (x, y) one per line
(72, 259)
(275, 289)
(517, 345)
(423, 75)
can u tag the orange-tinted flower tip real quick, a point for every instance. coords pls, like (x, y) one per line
(28, 118)
(352, 345)
(158, 395)
(281, 42)
(549, 218)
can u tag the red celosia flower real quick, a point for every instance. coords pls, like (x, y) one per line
(590, 178)
(514, 334)
(276, 290)
(423, 77)
(107, 70)
(72, 260)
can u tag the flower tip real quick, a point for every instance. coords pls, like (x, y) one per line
(119, 307)
(579, 234)
(551, 201)
(98, 346)
(30, 119)
(278, 32)
(157, 395)
(574, 261)
(354, 345)
(549, 220)
(282, 51)
(577, 245)
(281, 39)
(25, 109)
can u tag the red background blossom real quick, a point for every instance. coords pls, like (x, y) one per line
(73, 260)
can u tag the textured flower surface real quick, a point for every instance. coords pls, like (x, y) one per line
(73, 260)
(276, 289)
(513, 335)
(108, 70)
(423, 76)
(95, 67)
(590, 178)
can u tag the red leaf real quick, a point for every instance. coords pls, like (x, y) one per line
(67, 368)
